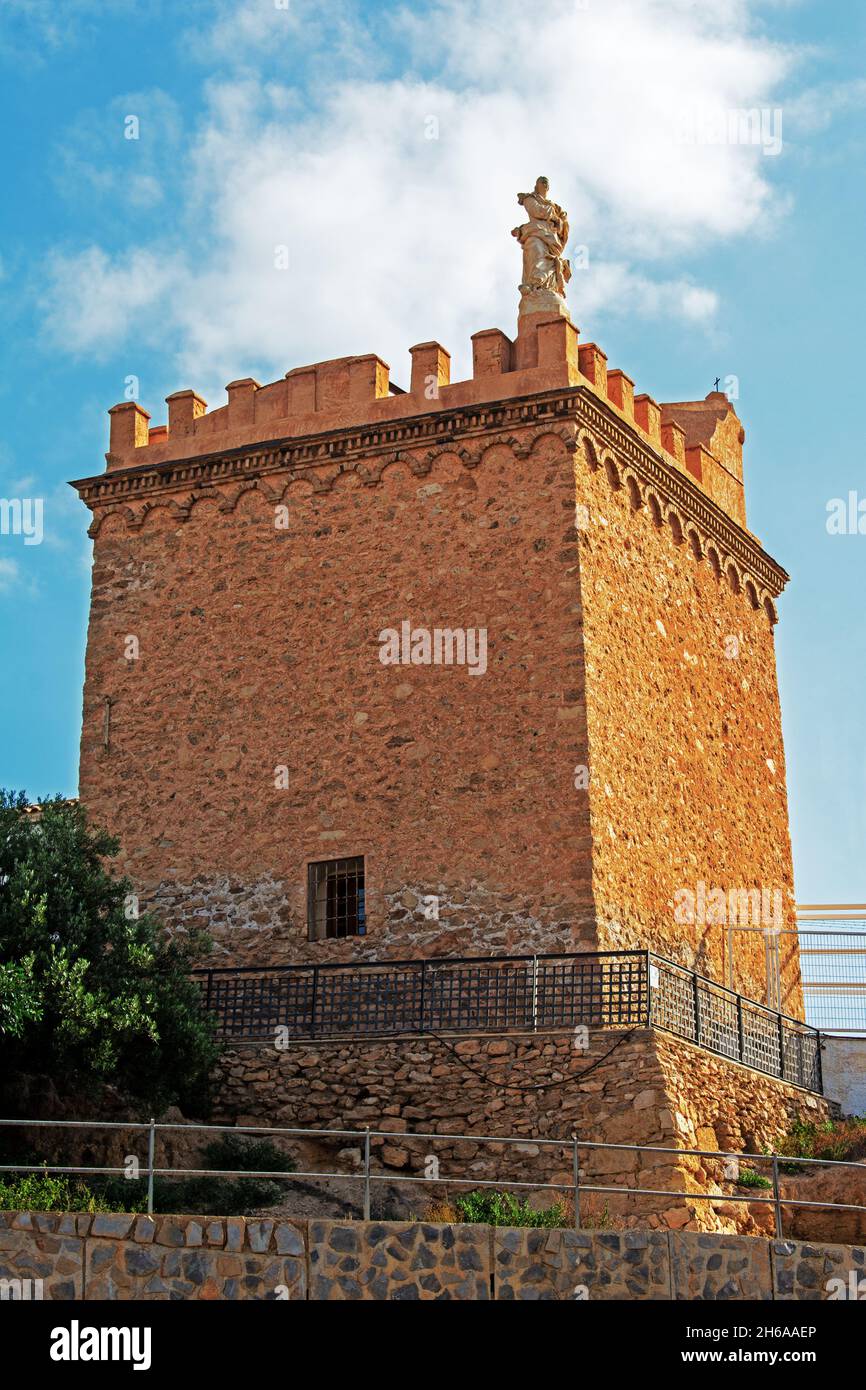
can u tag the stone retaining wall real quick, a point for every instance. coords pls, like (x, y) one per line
(630, 1088)
(126, 1257)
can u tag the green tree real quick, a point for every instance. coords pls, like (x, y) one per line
(91, 992)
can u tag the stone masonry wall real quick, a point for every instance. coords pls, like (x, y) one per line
(635, 654)
(126, 1257)
(685, 739)
(257, 648)
(632, 1088)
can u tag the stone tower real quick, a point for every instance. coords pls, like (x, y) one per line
(274, 776)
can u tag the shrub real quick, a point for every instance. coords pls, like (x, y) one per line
(198, 1196)
(490, 1208)
(43, 1192)
(750, 1178)
(836, 1139)
(211, 1196)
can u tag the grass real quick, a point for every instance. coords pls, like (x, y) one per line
(749, 1178)
(486, 1207)
(42, 1192)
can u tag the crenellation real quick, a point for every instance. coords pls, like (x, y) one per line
(128, 428)
(242, 402)
(184, 409)
(620, 390)
(491, 353)
(299, 397)
(431, 370)
(593, 365)
(698, 462)
(674, 442)
(557, 343)
(700, 438)
(648, 415)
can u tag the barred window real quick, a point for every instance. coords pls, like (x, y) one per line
(335, 898)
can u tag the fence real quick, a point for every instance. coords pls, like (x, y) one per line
(572, 1149)
(501, 994)
(832, 941)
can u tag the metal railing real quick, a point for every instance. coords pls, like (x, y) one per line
(432, 1177)
(506, 994)
(719, 1019)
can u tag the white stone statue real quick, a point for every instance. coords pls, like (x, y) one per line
(544, 238)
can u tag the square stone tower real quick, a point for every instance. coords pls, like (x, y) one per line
(466, 669)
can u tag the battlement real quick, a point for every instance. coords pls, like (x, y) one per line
(701, 438)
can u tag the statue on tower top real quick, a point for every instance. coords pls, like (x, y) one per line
(544, 238)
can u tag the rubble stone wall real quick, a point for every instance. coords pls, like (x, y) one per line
(638, 1087)
(66, 1257)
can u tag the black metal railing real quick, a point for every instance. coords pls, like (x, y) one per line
(693, 1007)
(505, 994)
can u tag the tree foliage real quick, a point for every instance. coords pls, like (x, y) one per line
(89, 990)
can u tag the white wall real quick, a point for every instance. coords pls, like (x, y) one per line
(843, 1060)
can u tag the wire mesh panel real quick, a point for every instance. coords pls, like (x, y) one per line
(801, 1057)
(719, 1020)
(386, 1000)
(254, 1006)
(624, 989)
(568, 992)
(486, 995)
(833, 968)
(761, 1038)
(674, 1002)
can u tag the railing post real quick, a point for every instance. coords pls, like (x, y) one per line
(315, 1001)
(575, 1164)
(423, 994)
(208, 991)
(741, 1044)
(649, 987)
(534, 993)
(367, 1173)
(781, 1047)
(776, 1203)
(696, 995)
(819, 1062)
(151, 1149)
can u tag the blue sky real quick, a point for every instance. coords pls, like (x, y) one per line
(383, 145)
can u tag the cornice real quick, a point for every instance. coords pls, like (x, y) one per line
(576, 407)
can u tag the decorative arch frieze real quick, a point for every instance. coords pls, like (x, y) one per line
(655, 490)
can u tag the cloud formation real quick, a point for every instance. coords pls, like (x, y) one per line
(371, 213)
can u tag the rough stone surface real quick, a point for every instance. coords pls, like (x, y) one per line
(622, 745)
(533, 1265)
(609, 649)
(390, 1260)
(412, 1261)
(644, 1087)
(44, 1250)
(713, 1267)
(803, 1270)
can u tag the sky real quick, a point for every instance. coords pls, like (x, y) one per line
(198, 193)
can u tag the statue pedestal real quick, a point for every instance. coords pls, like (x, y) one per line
(525, 351)
(546, 302)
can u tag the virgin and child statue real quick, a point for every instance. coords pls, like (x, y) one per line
(543, 238)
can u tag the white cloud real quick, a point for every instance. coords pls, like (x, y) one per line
(394, 238)
(92, 302)
(34, 30)
(10, 575)
(816, 108)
